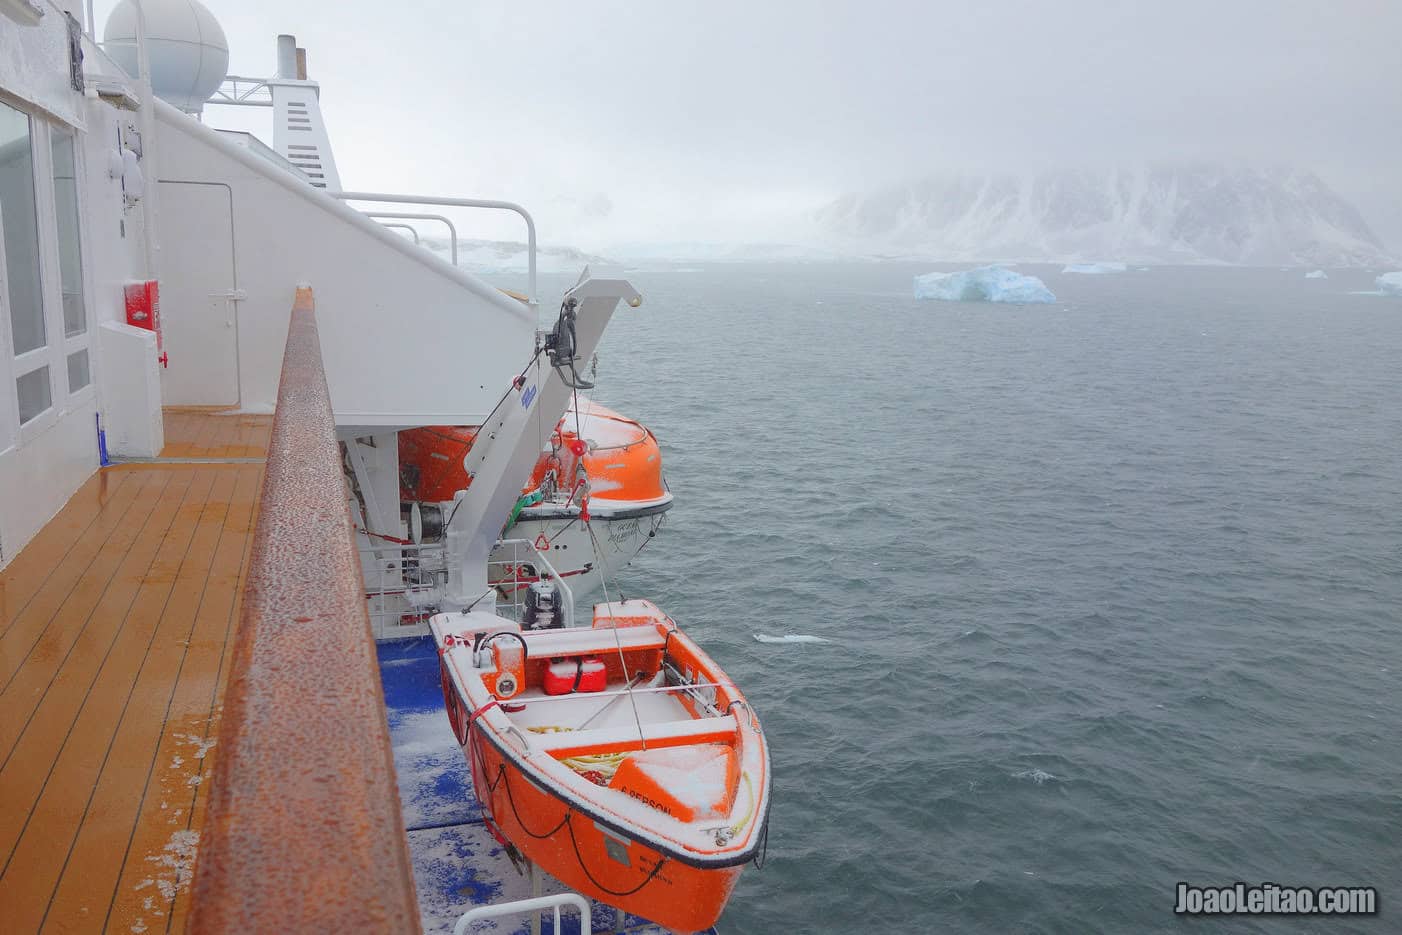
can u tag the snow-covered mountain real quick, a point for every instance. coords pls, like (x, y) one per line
(1160, 214)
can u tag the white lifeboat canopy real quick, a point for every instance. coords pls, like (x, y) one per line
(189, 56)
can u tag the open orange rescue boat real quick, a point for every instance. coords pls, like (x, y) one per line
(619, 757)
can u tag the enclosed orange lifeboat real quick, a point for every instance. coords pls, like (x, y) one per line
(619, 757)
(621, 458)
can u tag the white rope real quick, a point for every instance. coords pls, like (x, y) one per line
(617, 641)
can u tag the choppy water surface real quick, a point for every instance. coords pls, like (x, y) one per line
(1112, 586)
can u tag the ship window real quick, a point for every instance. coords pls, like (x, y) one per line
(19, 228)
(70, 256)
(34, 394)
(78, 373)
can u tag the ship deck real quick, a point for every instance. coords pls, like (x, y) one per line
(115, 624)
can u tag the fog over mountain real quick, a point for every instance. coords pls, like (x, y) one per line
(1192, 213)
(697, 126)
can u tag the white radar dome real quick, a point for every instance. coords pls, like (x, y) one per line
(188, 52)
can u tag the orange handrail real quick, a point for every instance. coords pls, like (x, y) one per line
(304, 831)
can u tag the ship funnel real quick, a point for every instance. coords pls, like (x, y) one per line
(287, 56)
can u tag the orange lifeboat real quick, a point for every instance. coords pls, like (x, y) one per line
(621, 458)
(649, 792)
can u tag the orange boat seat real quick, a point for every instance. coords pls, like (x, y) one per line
(572, 743)
(688, 783)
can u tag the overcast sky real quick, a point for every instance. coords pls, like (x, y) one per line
(725, 120)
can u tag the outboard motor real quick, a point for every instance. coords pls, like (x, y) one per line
(543, 608)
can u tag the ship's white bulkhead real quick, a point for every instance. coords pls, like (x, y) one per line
(73, 225)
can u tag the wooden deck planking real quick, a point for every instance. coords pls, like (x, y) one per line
(29, 571)
(82, 713)
(75, 640)
(200, 433)
(173, 799)
(116, 621)
(199, 802)
(107, 824)
(45, 572)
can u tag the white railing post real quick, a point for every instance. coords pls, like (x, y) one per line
(414, 216)
(413, 232)
(387, 198)
(522, 906)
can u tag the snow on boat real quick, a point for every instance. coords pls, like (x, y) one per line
(617, 757)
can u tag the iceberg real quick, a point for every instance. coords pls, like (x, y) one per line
(1094, 269)
(1317, 274)
(1390, 283)
(984, 284)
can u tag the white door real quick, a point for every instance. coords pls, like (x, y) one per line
(199, 297)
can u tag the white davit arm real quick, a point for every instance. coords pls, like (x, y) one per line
(508, 446)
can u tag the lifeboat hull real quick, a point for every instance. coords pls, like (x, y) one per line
(576, 850)
(621, 459)
(583, 562)
(650, 795)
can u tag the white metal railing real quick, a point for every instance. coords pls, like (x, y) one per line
(404, 581)
(387, 198)
(516, 563)
(405, 585)
(413, 216)
(413, 231)
(535, 904)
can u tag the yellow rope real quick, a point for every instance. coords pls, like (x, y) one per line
(749, 809)
(602, 764)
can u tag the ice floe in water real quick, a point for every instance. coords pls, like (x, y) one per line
(1317, 274)
(1390, 283)
(984, 284)
(789, 638)
(1094, 269)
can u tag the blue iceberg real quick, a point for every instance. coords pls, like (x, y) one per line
(1317, 274)
(1388, 283)
(1094, 269)
(984, 284)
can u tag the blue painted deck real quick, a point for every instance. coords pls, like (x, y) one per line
(457, 863)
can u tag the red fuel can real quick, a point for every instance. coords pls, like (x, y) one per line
(580, 674)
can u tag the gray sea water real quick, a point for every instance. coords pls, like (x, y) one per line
(1113, 586)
